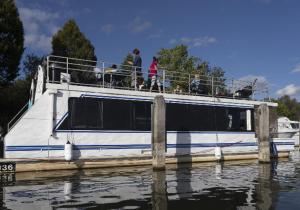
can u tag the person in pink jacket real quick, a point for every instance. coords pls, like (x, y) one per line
(153, 77)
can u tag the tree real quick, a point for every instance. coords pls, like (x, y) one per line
(283, 110)
(127, 68)
(287, 107)
(31, 63)
(217, 76)
(290, 107)
(11, 41)
(12, 99)
(71, 42)
(179, 64)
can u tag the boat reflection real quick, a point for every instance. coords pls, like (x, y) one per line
(242, 185)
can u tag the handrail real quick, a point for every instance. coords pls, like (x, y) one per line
(9, 126)
(213, 86)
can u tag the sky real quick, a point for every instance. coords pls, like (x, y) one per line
(247, 38)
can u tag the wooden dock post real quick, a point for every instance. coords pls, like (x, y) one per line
(263, 132)
(159, 190)
(158, 127)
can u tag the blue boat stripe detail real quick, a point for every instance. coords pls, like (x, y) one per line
(60, 121)
(133, 146)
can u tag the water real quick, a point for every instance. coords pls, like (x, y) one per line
(232, 185)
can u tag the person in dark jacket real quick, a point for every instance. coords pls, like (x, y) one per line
(136, 74)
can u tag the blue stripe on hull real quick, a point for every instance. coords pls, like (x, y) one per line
(133, 146)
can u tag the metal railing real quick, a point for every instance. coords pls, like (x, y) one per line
(17, 117)
(109, 75)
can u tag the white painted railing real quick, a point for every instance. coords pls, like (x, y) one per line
(109, 75)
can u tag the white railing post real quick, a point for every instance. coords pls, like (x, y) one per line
(103, 73)
(67, 65)
(189, 83)
(135, 79)
(47, 69)
(53, 74)
(212, 86)
(232, 88)
(164, 80)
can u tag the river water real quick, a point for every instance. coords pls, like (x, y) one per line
(230, 185)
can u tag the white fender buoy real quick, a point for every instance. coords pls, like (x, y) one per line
(218, 153)
(68, 151)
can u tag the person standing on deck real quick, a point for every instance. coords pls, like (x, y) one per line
(153, 77)
(136, 73)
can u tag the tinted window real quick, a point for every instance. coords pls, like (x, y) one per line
(177, 119)
(111, 114)
(85, 113)
(142, 115)
(117, 114)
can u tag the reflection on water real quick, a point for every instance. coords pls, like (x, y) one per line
(231, 185)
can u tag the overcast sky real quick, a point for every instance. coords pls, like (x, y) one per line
(247, 38)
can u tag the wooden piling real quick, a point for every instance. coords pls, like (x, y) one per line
(273, 122)
(158, 127)
(263, 133)
(159, 190)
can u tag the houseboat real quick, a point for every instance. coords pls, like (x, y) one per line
(92, 106)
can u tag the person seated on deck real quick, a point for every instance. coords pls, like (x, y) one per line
(196, 86)
(109, 76)
(177, 90)
(142, 85)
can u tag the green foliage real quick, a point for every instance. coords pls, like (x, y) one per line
(283, 110)
(127, 69)
(217, 74)
(125, 64)
(71, 42)
(289, 107)
(180, 63)
(12, 99)
(31, 63)
(11, 41)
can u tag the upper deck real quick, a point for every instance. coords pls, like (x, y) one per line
(100, 76)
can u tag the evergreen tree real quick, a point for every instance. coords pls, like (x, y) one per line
(31, 63)
(126, 69)
(11, 41)
(12, 99)
(71, 42)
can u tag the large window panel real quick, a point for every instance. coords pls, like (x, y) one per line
(142, 115)
(177, 117)
(200, 118)
(117, 114)
(222, 119)
(85, 113)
